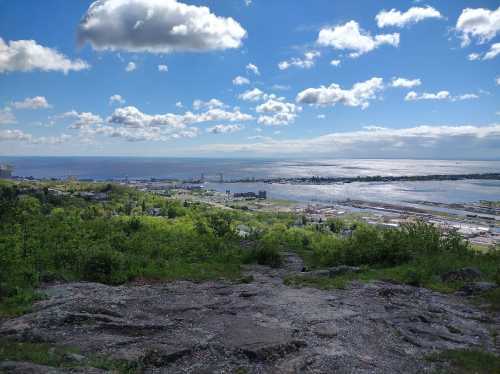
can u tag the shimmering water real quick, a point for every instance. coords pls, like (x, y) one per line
(101, 168)
(138, 167)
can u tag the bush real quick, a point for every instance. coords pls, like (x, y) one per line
(267, 256)
(104, 267)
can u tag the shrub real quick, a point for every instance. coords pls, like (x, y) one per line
(267, 256)
(104, 267)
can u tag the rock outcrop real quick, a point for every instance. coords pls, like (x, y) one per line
(260, 327)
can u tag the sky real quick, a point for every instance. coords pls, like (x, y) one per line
(250, 78)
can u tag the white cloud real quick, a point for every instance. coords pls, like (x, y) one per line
(420, 141)
(131, 124)
(81, 120)
(277, 112)
(20, 136)
(179, 104)
(497, 81)
(465, 97)
(253, 68)
(131, 66)
(479, 23)
(493, 52)
(157, 26)
(210, 104)
(405, 83)
(359, 95)
(163, 68)
(225, 129)
(335, 62)
(413, 15)
(474, 56)
(132, 117)
(280, 87)
(27, 55)
(116, 99)
(7, 117)
(248, 2)
(37, 102)
(254, 95)
(320, 116)
(351, 37)
(304, 63)
(441, 95)
(240, 81)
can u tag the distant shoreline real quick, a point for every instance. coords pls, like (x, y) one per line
(403, 178)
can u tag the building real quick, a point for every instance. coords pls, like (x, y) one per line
(251, 195)
(6, 171)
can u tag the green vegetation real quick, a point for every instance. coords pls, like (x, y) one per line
(47, 236)
(112, 234)
(467, 361)
(60, 357)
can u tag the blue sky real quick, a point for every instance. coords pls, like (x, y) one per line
(260, 78)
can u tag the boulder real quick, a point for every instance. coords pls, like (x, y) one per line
(467, 274)
(476, 288)
(341, 270)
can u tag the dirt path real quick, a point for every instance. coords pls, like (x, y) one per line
(260, 327)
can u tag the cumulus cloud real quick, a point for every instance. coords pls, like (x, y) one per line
(441, 95)
(277, 112)
(27, 55)
(474, 57)
(157, 26)
(7, 117)
(421, 141)
(351, 37)
(479, 23)
(162, 68)
(497, 81)
(335, 63)
(359, 95)
(133, 118)
(254, 95)
(116, 99)
(307, 62)
(81, 120)
(240, 81)
(320, 116)
(133, 125)
(413, 15)
(493, 52)
(210, 104)
(20, 136)
(37, 102)
(253, 69)
(131, 66)
(405, 83)
(224, 129)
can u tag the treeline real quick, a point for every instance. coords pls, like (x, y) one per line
(375, 178)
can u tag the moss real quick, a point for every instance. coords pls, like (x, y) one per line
(466, 362)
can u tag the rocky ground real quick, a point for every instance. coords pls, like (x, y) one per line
(262, 326)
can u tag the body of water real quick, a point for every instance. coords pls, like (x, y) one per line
(104, 168)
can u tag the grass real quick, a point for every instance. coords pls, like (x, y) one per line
(415, 273)
(466, 362)
(19, 304)
(59, 357)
